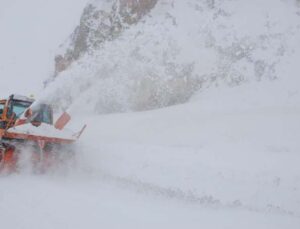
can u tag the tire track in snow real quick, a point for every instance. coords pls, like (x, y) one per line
(177, 194)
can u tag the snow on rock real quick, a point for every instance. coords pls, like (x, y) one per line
(101, 21)
(166, 57)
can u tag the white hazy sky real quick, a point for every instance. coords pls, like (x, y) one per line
(31, 32)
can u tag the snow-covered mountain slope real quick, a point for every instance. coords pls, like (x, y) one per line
(31, 32)
(101, 21)
(168, 56)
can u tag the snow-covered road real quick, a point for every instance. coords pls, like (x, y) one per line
(98, 202)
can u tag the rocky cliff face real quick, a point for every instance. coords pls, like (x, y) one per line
(101, 21)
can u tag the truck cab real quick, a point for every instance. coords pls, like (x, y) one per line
(13, 108)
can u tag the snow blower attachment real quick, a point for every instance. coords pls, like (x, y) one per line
(25, 124)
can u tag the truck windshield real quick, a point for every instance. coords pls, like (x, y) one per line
(1, 108)
(19, 107)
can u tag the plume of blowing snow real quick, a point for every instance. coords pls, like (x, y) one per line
(167, 56)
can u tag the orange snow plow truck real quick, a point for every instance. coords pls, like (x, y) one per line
(28, 127)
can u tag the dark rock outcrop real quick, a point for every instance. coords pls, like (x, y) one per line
(98, 25)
